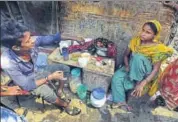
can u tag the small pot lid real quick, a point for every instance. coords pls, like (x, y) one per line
(98, 93)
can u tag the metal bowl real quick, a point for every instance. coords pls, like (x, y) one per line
(101, 51)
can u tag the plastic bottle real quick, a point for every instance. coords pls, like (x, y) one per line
(75, 79)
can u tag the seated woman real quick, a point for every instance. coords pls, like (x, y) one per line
(142, 61)
(169, 85)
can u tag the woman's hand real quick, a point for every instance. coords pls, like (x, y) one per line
(58, 75)
(139, 89)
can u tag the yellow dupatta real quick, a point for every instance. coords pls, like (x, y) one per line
(156, 52)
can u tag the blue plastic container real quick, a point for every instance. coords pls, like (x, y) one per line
(75, 80)
(76, 72)
(98, 93)
(65, 53)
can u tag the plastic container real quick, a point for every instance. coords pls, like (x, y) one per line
(82, 91)
(86, 55)
(76, 72)
(65, 53)
(76, 75)
(75, 79)
(98, 97)
(73, 86)
(97, 103)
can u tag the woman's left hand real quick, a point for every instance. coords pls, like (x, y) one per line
(139, 89)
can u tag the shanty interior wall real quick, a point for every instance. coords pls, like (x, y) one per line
(116, 21)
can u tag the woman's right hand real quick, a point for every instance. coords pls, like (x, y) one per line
(139, 89)
(56, 75)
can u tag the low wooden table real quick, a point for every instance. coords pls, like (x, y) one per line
(93, 76)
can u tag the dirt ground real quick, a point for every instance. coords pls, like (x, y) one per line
(142, 111)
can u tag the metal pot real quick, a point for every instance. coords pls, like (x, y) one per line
(101, 51)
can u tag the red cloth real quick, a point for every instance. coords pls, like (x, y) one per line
(75, 48)
(112, 50)
(169, 85)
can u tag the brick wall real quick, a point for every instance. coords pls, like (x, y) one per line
(117, 21)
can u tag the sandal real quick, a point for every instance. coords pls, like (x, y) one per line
(73, 111)
(123, 106)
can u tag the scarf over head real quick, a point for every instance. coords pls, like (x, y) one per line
(157, 51)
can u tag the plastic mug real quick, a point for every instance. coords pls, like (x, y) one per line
(65, 53)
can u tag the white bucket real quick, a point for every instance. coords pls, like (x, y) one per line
(97, 103)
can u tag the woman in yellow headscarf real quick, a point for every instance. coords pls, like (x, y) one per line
(142, 60)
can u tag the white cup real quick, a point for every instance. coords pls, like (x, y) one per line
(83, 61)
